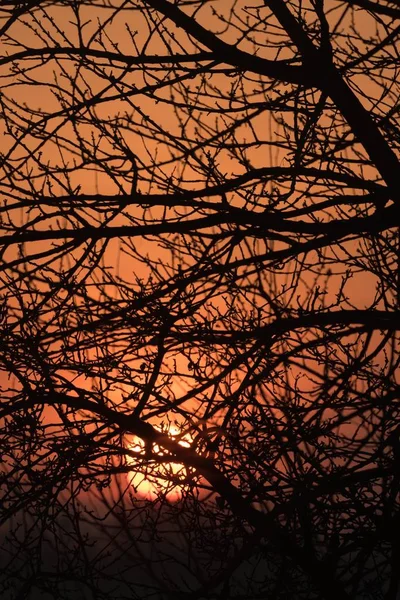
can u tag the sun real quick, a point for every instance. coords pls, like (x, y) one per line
(154, 480)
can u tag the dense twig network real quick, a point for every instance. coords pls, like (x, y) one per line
(200, 290)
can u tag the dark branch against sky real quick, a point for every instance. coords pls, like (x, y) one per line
(200, 290)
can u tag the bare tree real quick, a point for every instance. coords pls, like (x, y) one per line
(200, 299)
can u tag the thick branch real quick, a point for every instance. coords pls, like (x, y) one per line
(263, 523)
(332, 83)
(262, 225)
(228, 53)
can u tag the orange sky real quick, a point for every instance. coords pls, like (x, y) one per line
(133, 133)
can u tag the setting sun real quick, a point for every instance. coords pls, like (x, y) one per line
(156, 475)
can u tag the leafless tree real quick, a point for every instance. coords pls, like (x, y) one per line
(200, 291)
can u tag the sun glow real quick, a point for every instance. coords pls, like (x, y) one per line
(155, 476)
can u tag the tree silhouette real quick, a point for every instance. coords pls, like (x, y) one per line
(200, 299)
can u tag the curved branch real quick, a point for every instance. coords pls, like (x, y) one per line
(228, 53)
(261, 522)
